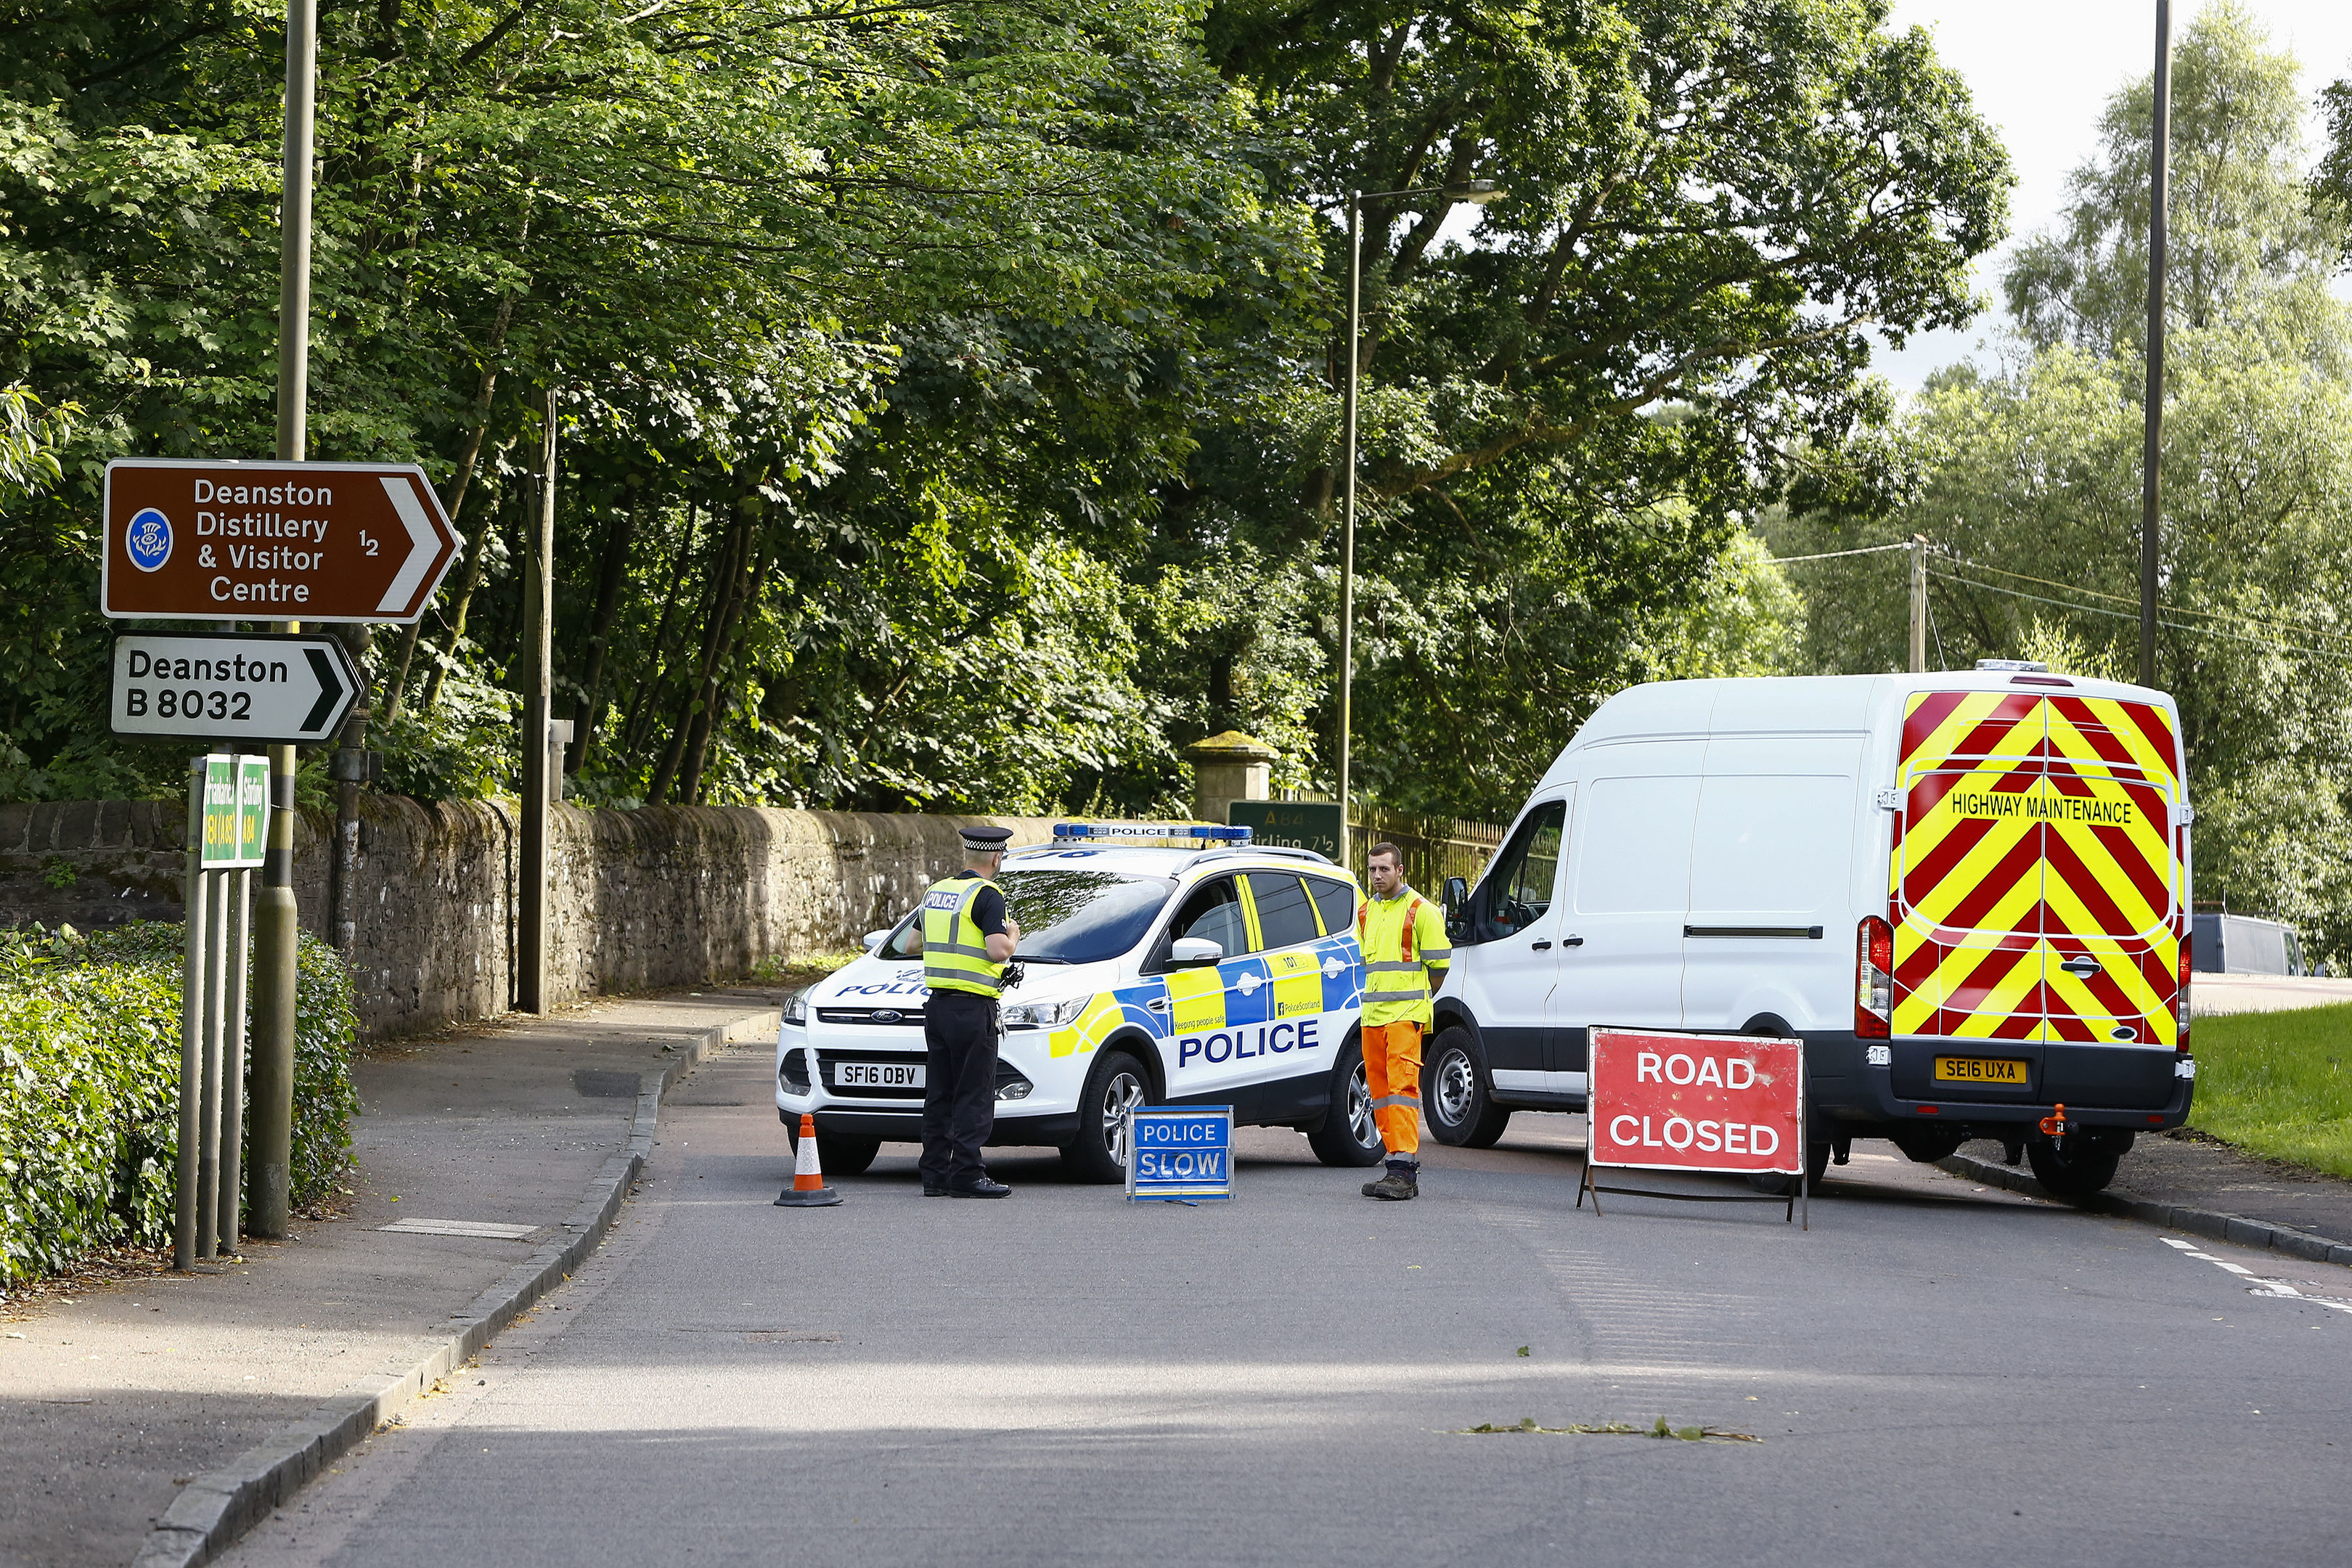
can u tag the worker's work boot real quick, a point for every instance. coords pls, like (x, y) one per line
(1403, 1181)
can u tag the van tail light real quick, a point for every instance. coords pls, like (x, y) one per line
(2180, 996)
(1874, 979)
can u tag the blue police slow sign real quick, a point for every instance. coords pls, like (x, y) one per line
(1184, 1152)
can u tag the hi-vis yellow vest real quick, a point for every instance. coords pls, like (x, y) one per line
(1405, 954)
(955, 952)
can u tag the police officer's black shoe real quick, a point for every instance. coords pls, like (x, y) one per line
(931, 1190)
(982, 1188)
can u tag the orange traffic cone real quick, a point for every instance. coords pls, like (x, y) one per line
(808, 1190)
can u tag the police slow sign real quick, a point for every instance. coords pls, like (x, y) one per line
(1181, 1152)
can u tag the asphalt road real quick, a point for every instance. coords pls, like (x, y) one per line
(1936, 1374)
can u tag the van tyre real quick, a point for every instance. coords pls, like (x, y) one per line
(1455, 1095)
(2076, 1168)
(1115, 1085)
(1348, 1134)
(841, 1154)
(1779, 1184)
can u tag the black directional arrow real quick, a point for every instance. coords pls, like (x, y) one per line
(331, 690)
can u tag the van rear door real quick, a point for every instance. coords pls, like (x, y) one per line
(2038, 875)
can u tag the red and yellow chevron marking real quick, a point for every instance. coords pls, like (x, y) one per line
(2037, 830)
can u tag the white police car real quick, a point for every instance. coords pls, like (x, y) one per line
(1198, 971)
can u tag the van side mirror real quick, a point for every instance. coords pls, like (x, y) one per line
(1457, 893)
(1193, 951)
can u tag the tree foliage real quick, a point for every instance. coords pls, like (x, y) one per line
(947, 392)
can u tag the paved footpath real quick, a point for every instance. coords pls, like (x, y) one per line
(111, 1400)
(1937, 1371)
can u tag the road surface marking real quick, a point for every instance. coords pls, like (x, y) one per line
(2278, 1288)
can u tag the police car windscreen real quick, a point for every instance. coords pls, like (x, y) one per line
(1081, 917)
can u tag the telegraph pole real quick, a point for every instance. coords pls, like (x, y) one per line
(2151, 457)
(277, 931)
(539, 651)
(1918, 603)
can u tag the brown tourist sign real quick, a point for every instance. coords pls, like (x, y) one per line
(227, 541)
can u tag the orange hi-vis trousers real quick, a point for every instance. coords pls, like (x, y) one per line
(1393, 1073)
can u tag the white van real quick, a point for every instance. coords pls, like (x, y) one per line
(1968, 892)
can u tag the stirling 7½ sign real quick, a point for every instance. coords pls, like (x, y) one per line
(257, 541)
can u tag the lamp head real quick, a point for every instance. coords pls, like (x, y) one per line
(1477, 193)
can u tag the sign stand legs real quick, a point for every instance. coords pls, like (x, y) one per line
(209, 1117)
(228, 822)
(240, 921)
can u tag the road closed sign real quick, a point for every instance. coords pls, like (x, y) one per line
(225, 541)
(1697, 1102)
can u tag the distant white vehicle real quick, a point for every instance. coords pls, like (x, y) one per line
(2247, 944)
(1968, 892)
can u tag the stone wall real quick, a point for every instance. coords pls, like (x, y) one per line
(642, 901)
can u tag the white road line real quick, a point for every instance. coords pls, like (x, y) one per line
(2274, 1288)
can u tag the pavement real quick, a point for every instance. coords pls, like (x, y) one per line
(2217, 994)
(114, 1397)
(1062, 1377)
(1936, 1372)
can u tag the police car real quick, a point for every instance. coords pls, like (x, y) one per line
(1159, 964)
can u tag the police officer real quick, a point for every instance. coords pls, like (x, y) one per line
(967, 937)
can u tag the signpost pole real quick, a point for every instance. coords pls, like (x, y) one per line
(192, 1030)
(276, 930)
(208, 1165)
(231, 1157)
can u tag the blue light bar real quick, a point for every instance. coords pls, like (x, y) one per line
(1200, 834)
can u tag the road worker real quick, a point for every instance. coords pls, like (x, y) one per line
(967, 936)
(1405, 954)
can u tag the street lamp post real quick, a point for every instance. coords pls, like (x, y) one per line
(1477, 193)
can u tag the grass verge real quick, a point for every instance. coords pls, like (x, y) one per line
(2279, 1084)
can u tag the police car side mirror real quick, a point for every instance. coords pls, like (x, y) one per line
(874, 939)
(1192, 952)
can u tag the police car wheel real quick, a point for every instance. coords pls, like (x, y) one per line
(1454, 1094)
(840, 1155)
(1348, 1134)
(1117, 1085)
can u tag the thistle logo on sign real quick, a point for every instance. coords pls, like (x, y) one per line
(148, 540)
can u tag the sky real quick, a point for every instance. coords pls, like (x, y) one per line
(2042, 71)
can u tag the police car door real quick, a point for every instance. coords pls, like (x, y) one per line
(1201, 1060)
(1292, 1032)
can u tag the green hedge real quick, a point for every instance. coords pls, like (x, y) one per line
(90, 1065)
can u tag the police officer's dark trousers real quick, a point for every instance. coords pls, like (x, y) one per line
(958, 1086)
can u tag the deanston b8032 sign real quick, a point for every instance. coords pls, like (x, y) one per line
(249, 542)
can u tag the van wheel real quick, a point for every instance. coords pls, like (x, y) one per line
(2075, 1169)
(1099, 1152)
(1779, 1184)
(1455, 1094)
(1926, 1145)
(1349, 1134)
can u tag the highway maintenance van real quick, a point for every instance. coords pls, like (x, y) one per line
(1968, 892)
(1160, 964)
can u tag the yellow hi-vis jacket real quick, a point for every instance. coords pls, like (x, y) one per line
(1405, 954)
(955, 951)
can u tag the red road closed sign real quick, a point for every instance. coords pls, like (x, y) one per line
(1696, 1102)
(219, 541)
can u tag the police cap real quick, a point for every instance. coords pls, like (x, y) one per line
(986, 840)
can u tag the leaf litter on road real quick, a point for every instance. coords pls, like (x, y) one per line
(1660, 1428)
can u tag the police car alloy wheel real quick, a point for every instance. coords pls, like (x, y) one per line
(1099, 1152)
(1350, 1133)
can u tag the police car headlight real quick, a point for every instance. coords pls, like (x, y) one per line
(796, 1009)
(1045, 1014)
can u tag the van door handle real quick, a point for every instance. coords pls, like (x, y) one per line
(1571, 942)
(1540, 946)
(2082, 967)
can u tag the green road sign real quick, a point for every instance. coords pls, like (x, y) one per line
(1293, 824)
(236, 811)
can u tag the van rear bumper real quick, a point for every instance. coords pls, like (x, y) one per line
(2104, 1086)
